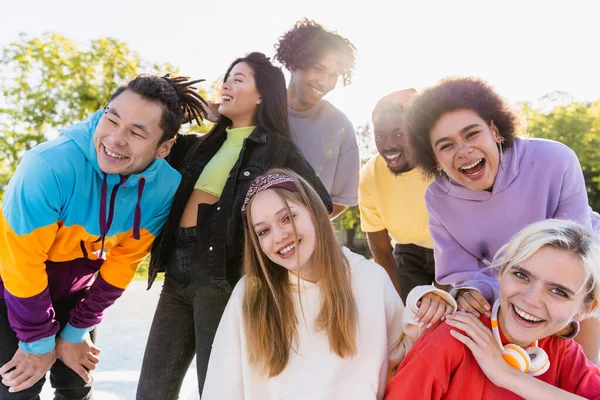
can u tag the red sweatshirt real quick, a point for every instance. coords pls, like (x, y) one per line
(440, 367)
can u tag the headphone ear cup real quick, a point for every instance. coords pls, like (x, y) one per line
(539, 361)
(516, 357)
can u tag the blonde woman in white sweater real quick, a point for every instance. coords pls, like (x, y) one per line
(310, 320)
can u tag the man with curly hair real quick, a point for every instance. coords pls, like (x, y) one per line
(317, 59)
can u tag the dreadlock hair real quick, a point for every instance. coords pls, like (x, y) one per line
(180, 100)
(307, 42)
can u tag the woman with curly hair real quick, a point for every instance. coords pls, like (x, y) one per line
(317, 59)
(489, 185)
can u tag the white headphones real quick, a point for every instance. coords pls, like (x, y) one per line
(533, 360)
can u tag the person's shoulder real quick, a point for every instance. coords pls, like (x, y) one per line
(58, 150)
(166, 173)
(60, 156)
(336, 115)
(439, 341)
(167, 178)
(362, 269)
(280, 144)
(545, 150)
(557, 346)
(237, 295)
(368, 171)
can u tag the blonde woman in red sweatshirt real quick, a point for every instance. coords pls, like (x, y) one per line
(549, 276)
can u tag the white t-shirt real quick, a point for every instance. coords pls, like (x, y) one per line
(385, 333)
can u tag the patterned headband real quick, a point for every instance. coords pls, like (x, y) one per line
(268, 182)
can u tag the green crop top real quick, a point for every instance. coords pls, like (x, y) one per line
(213, 177)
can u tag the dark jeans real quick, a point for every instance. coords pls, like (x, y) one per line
(67, 384)
(415, 267)
(185, 322)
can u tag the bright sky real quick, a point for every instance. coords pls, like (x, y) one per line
(526, 48)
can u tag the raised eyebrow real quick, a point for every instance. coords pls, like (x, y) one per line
(553, 284)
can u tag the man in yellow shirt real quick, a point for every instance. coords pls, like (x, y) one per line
(392, 200)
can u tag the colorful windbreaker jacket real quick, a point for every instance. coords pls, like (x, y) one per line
(62, 220)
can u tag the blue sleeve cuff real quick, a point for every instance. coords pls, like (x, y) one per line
(41, 346)
(74, 335)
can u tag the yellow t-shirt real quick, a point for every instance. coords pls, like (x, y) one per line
(214, 175)
(394, 202)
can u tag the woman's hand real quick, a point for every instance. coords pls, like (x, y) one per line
(432, 309)
(479, 339)
(471, 301)
(212, 111)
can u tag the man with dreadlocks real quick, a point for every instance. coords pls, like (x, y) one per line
(392, 200)
(317, 59)
(91, 200)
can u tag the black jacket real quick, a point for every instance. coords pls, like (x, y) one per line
(260, 151)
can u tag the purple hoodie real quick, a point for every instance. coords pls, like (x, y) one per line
(538, 179)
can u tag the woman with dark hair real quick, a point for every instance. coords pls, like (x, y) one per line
(200, 248)
(489, 185)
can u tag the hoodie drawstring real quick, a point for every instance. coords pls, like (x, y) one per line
(105, 223)
(137, 216)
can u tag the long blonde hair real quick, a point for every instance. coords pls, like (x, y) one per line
(270, 321)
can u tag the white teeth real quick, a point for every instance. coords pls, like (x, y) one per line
(317, 92)
(471, 165)
(114, 155)
(226, 98)
(392, 156)
(286, 250)
(526, 316)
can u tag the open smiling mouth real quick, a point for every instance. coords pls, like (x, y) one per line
(474, 168)
(288, 250)
(393, 158)
(316, 92)
(113, 154)
(526, 317)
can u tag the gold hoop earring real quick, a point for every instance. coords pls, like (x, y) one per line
(501, 154)
(429, 171)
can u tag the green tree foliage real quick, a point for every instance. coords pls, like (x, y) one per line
(52, 81)
(578, 126)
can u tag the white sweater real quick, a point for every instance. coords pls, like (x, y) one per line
(386, 331)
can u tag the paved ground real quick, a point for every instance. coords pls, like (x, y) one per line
(122, 338)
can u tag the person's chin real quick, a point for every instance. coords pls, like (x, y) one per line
(311, 100)
(399, 169)
(112, 170)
